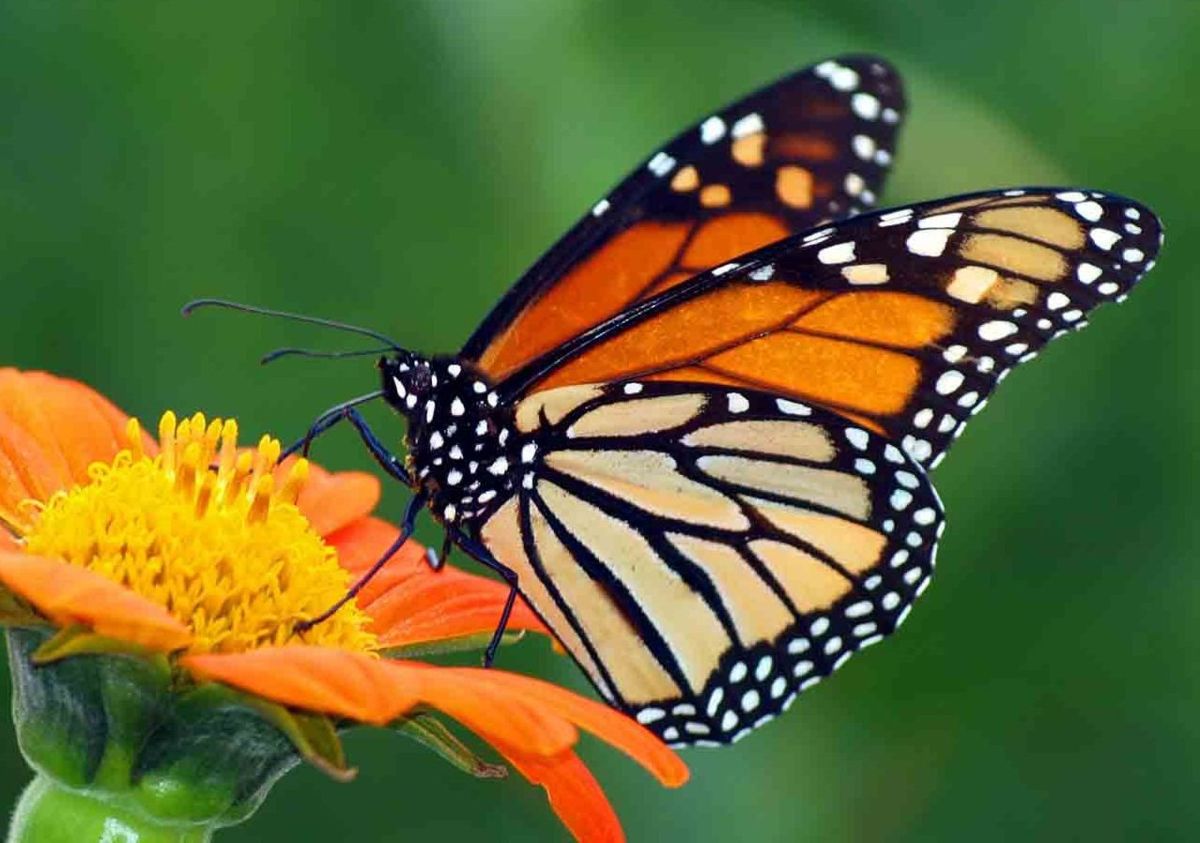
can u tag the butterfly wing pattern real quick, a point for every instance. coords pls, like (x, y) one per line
(707, 553)
(811, 147)
(714, 524)
(904, 320)
(696, 433)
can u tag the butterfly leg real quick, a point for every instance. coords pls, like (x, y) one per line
(406, 530)
(325, 421)
(388, 461)
(484, 557)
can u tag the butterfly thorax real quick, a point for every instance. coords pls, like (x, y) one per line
(460, 440)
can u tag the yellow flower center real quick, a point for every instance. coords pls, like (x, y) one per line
(203, 530)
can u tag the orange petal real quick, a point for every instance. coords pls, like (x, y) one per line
(475, 692)
(7, 541)
(445, 604)
(574, 794)
(518, 720)
(324, 679)
(27, 470)
(359, 546)
(412, 603)
(604, 722)
(331, 501)
(68, 594)
(51, 430)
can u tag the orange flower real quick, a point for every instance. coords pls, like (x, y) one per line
(209, 555)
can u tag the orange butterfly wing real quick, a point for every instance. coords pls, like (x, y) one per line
(904, 320)
(813, 146)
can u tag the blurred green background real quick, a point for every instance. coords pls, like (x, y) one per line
(398, 164)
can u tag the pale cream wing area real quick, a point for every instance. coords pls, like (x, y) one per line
(705, 554)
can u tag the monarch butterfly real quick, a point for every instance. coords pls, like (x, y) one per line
(695, 435)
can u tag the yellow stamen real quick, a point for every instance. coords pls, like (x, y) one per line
(133, 434)
(260, 501)
(166, 440)
(295, 481)
(208, 533)
(208, 483)
(241, 473)
(185, 477)
(228, 448)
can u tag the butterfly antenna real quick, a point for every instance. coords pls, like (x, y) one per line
(272, 356)
(197, 304)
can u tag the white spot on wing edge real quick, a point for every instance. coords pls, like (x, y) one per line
(793, 408)
(949, 220)
(930, 242)
(838, 253)
(997, 329)
(650, 715)
(842, 78)
(857, 437)
(948, 381)
(661, 164)
(954, 353)
(1104, 238)
(751, 124)
(1087, 273)
(896, 217)
(1090, 211)
(712, 130)
(864, 146)
(1057, 300)
(865, 105)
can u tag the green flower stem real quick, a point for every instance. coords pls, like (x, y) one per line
(50, 813)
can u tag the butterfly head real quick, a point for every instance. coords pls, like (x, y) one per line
(408, 380)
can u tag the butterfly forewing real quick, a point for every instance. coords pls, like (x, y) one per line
(814, 146)
(903, 320)
(977, 285)
(707, 553)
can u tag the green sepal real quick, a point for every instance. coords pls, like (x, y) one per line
(445, 646)
(214, 758)
(135, 731)
(429, 731)
(81, 641)
(81, 720)
(313, 735)
(14, 611)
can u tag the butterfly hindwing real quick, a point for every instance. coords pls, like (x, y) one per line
(813, 146)
(707, 553)
(903, 320)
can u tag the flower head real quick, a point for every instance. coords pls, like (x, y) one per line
(225, 550)
(198, 560)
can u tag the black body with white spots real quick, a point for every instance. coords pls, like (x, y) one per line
(460, 442)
